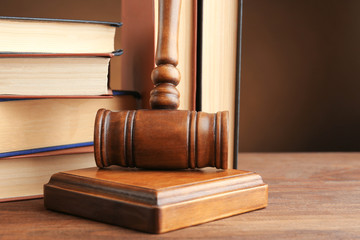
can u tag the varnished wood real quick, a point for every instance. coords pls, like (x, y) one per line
(167, 47)
(178, 140)
(313, 196)
(166, 76)
(155, 201)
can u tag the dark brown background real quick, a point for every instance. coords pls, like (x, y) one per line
(300, 68)
(300, 75)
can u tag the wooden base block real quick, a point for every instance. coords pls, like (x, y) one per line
(155, 201)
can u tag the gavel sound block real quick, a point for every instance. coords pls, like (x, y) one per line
(135, 194)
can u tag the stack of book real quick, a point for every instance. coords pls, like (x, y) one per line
(53, 78)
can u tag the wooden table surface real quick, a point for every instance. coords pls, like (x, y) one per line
(311, 196)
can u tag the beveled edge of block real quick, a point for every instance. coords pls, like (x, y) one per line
(104, 202)
(63, 180)
(211, 208)
(156, 197)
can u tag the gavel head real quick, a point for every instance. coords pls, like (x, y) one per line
(161, 139)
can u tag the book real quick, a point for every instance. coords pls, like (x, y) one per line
(24, 175)
(54, 74)
(42, 123)
(132, 71)
(45, 35)
(24, 178)
(187, 54)
(135, 36)
(218, 62)
(59, 150)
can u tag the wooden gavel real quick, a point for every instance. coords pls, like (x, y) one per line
(165, 138)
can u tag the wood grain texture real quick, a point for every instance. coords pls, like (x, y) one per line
(155, 201)
(311, 196)
(187, 53)
(161, 139)
(166, 76)
(168, 33)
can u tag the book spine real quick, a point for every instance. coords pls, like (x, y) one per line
(237, 87)
(198, 103)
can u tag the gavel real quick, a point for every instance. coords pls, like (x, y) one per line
(163, 137)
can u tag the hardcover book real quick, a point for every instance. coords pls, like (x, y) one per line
(218, 68)
(55, 74)
(24, 178)
(56, 35)
(41, 123)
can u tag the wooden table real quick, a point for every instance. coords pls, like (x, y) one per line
(311, 196)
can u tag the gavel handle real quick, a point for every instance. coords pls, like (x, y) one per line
(167, 45)
(166, 76)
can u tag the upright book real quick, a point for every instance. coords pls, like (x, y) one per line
(218, 78)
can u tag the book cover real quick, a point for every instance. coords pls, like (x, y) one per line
(51, 150)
